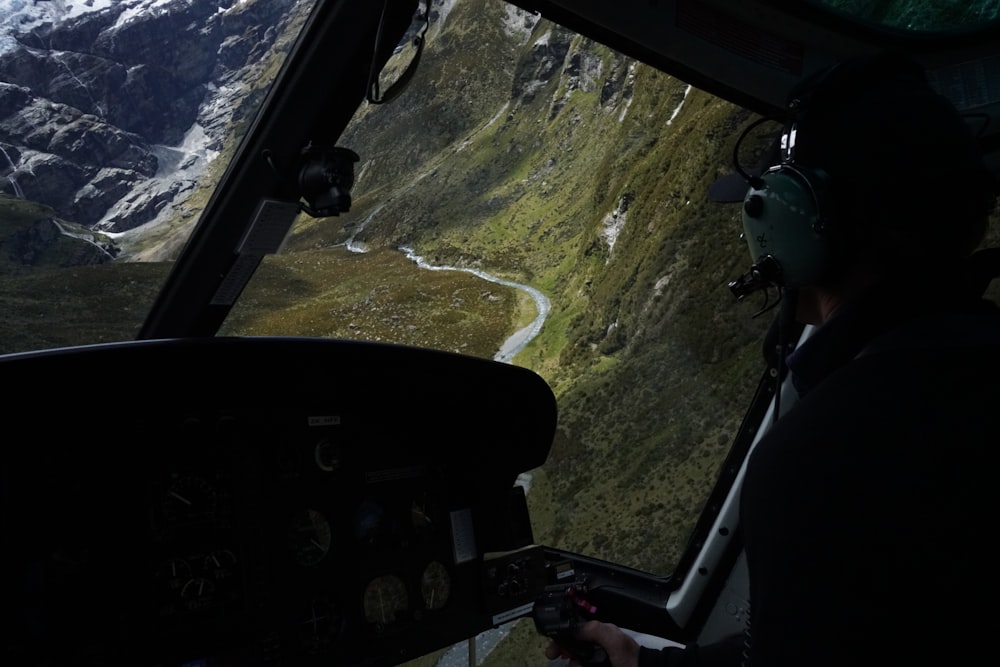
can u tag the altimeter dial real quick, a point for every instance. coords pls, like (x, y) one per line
(311, 537)
(385, 599)
(435, 585)
(189, 499)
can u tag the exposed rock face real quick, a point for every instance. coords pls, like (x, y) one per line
(30, 244)
(546, 57)
(88, 107)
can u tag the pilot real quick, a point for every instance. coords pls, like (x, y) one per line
(868, 507)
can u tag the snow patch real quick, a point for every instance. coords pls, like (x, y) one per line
(19, 17)
(660, 285)
(680, 104)
(180, 168)
(519, 23)
(612, 226)
(154, 7)
(192, 152)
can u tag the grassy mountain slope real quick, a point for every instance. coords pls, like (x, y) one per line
(522, 167)
(515, 152)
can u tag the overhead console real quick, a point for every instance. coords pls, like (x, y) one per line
(264, 502)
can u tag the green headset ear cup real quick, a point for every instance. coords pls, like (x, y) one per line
(783, 218)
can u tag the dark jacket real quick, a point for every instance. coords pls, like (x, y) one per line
(868, 510)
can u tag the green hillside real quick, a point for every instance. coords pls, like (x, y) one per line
(515, 156)
(510, 152)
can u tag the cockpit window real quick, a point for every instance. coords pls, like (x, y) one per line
(487, 219)
(536, 198)
(918, 16)
(117, 119)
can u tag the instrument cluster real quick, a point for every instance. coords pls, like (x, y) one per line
(332, 513)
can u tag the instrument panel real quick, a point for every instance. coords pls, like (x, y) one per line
(266, 502)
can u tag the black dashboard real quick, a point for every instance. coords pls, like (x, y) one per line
(264, 501)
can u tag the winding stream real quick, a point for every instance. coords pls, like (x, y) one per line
(520, 339)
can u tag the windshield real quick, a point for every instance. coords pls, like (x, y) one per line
(919, 16)
(116, 122)
(536, 198)
(531, 197)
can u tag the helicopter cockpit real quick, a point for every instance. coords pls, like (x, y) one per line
(330, 325)
(240, 524)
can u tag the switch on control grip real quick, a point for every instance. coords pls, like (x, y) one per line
(559, 612)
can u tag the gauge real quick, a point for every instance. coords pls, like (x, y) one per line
(385, 598)
(175, 572)
(197, 588)
(310, 537)
(327, 456)
(321, 623)
(188, 499)
(220, 564)
(435, 585)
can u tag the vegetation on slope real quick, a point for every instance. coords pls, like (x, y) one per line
(376, 296)
(651, 358)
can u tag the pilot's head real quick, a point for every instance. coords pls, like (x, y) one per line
(890, 171)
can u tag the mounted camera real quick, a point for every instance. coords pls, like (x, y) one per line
(325, 180)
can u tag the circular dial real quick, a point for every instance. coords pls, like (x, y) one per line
(220, 564)
(189, 498)
(385, 597)
(197, 589)
(327, 456)
(321, 624)
(435, 585)
(310, 537)
(175, 572)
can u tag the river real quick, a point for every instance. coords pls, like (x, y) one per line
(520, 339)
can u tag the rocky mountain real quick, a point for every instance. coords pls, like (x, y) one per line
(108, 123)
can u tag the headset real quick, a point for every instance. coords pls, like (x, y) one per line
(789, 218)
(786, 224)
(786, 214)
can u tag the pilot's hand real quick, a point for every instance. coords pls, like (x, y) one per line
(622, 650)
